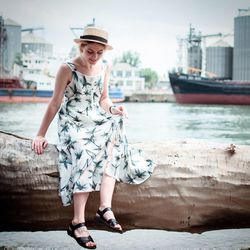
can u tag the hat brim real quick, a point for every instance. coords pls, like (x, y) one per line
(79, 40)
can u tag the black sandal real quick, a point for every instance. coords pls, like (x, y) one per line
(111, 223)
(82, 241)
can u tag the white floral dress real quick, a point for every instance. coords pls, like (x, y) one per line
(91, 141)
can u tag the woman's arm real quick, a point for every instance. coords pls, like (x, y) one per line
(106, 102)
(63, 77)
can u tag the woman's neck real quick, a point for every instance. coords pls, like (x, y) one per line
(85, 67)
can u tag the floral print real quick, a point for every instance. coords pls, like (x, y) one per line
(91, 141)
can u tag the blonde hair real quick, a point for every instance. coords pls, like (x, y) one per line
(83, 44)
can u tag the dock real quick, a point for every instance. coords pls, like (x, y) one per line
(150, 96)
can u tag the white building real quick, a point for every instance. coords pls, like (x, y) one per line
(126, 77)
(40, 70)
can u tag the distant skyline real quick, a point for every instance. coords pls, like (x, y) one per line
(147, 27)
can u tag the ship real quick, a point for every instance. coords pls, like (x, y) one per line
(12, 90)
(195, 89)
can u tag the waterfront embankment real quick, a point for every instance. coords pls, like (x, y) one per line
(150, 96)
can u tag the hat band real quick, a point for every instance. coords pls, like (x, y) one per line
(97, 38)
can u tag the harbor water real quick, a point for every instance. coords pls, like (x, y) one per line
(146, 122)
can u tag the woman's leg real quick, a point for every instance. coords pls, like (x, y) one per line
(106, 195)
(80, 200)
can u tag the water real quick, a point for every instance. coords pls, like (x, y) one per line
(148, 122)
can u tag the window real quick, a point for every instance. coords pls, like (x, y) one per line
(128, 74)
(129, 83)
(120, 83)
(119, 73)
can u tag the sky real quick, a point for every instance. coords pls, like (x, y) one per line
(148, 27)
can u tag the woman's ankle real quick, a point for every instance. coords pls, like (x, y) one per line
(76, 221)
(101, 207)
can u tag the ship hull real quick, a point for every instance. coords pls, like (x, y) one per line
(34, 96)
(213, 99)
(204, 91)
(25, 95)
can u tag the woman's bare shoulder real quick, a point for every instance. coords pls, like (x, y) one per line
(64, 69)
(64, 74)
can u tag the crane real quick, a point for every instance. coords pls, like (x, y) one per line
(73, 29)
(198, 40)
(32, 29)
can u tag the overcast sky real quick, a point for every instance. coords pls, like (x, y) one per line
(149, 27)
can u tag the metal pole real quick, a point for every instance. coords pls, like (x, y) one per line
(1, 45)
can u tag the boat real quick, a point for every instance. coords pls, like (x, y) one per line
(202, 90)
(116, 94)
(12, 90)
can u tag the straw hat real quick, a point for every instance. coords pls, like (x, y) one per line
(94, 34)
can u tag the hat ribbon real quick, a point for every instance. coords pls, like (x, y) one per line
(97, 38)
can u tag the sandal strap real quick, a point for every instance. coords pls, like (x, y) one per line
(101, 213)
(84, 240)
(74, 227)
(112, 222)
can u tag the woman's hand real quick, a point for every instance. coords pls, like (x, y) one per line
(39, 144)
(119, 110)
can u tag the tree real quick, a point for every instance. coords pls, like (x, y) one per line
(18, 59)
(150, 77)
(130, 57)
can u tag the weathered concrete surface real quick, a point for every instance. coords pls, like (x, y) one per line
(229, 239)
(151, 96)
(197, 186)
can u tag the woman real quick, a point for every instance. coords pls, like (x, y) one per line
(93, 149)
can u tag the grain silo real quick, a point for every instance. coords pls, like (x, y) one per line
(10, 45)
(219, 59)
(32, 43)
(241, 60)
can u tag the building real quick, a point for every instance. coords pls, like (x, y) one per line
(35, 44)
(126, 77)
(194, 58)
(194, 51)
(219, 60)
(241, 55)
(10, 44)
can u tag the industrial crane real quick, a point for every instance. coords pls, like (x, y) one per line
(195, 40)
(73, 29)
(32, 29)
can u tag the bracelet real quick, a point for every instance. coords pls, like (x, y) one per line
(110, 108)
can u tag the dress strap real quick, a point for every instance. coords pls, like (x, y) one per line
(71, 66)
(104, 65)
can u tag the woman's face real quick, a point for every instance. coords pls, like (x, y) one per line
(93, 52)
